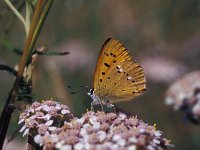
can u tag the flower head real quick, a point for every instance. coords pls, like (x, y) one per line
(43, 117)
(184, 95)
(94, 130)
(100, 131)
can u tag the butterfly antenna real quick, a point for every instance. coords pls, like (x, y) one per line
(83, 88)
(77, 91)
(80, 86)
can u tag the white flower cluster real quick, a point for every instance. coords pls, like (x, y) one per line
(184, 95)
(43, 117)
(95, 131)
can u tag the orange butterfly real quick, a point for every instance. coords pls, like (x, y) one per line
(117, 76)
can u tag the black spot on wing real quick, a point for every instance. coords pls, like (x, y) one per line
(107, 65)
(105, 53)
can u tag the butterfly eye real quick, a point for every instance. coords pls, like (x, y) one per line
(92, 91)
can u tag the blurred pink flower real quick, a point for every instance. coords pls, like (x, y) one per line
(96, 131)
(162, 69)
(39, 117)
(80, 55)
(184, 94)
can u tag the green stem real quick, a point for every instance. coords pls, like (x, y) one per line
(16, 12)
(33, 33)
(41, 21)
(29, 11)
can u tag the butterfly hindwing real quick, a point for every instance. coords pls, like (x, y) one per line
(117, 76)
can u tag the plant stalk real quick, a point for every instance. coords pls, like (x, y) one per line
(35, 27)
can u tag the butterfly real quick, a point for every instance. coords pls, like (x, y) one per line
(118, 77)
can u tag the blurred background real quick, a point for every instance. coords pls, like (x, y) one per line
(163, 36)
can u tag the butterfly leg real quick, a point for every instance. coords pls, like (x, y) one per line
(112, 107)
(101, 104)
(96, 102)
(92, 106)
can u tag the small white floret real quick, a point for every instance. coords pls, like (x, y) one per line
(65, 111)
(48, 123)
(66, 147)
(132, 147)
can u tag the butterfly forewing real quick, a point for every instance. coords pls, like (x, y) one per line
(117, 77)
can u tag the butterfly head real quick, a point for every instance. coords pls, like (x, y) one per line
(90, 92)
(93, 96)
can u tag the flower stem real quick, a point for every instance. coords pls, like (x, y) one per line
(16, 12)
(35, 27)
